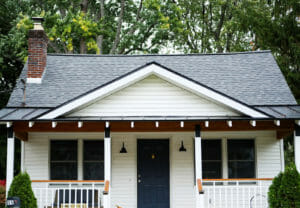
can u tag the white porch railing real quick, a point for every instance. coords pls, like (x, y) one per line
(68, 194)
(236, 193)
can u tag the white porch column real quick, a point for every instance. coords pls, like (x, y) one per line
(297, 147)
(198, 168)
(22, 156)
(10, 158)
(107, 167)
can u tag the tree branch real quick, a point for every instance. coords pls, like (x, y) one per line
(118, 33)
(100, 37)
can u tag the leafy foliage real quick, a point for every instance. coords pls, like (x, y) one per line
(21, 187)
(285, 189)
(2, 196)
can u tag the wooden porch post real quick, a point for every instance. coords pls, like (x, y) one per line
(10, 157)
(107, 167)
(297, 147)
(198, 168)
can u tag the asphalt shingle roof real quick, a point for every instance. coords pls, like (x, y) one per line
(252, 77)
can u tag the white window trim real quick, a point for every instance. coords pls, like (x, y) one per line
(152, 69)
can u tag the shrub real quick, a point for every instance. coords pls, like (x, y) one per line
(285, 189)
(21, 187)
(2, 196)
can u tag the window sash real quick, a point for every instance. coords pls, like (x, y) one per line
(92, 162)
(207, 164)
(235, 171)
(62, 167)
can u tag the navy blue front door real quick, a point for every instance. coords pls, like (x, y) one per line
(153, 174)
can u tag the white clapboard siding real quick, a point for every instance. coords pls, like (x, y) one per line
(124, 166)
(154, 96)
(36, 156)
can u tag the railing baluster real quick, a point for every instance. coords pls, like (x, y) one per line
(261, 194)
(52, 197)
(87, 197)
(243, 198)
(75, 197)
(70, 201)
(58, 198)
(93, 197)
(41, 197)
(237, 193)
(81, 197)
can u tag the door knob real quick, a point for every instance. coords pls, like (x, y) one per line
(139, 181)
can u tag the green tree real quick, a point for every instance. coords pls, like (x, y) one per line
(211, 26)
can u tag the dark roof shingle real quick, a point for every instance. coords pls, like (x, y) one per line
(252, 77)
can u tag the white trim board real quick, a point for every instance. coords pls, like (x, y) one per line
(152, 69)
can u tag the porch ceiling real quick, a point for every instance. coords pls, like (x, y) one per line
(286, 126)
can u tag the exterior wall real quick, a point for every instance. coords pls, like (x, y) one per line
(124, 166)
(154, 97)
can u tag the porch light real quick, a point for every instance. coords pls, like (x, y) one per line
(253, 123)
(30, 124)
(156, 124)
(182, 148)
(123, 149)
(229, 123)
(181, 124)
(277, 122)
(8, 124)
(206, 123)
(54, 124)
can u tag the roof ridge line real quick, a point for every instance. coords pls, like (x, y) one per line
(147, 55)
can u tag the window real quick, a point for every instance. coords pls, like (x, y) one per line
(211, 158)
(241, 158)
(63, 160)
(93, 160)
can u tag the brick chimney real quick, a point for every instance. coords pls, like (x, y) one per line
(37, 52)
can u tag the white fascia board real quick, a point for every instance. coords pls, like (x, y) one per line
(143, 73)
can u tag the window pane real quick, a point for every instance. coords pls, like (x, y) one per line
(241, 159)
(212, 170)
(63, 160)
(93, 160)
(63, 150)
(241, 170)
(240, 149)
(93, 150)
(93, 171)
(63, 171)
(211, 158)
(211, 150)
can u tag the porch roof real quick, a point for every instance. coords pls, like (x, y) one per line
(30, 114)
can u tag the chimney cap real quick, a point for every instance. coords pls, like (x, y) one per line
(37, 19)
(37, 23)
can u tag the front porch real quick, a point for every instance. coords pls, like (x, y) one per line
(196, 178)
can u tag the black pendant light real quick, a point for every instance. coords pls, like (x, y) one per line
(182, 148)
(123, 149)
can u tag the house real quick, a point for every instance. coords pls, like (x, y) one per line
(195, 130)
